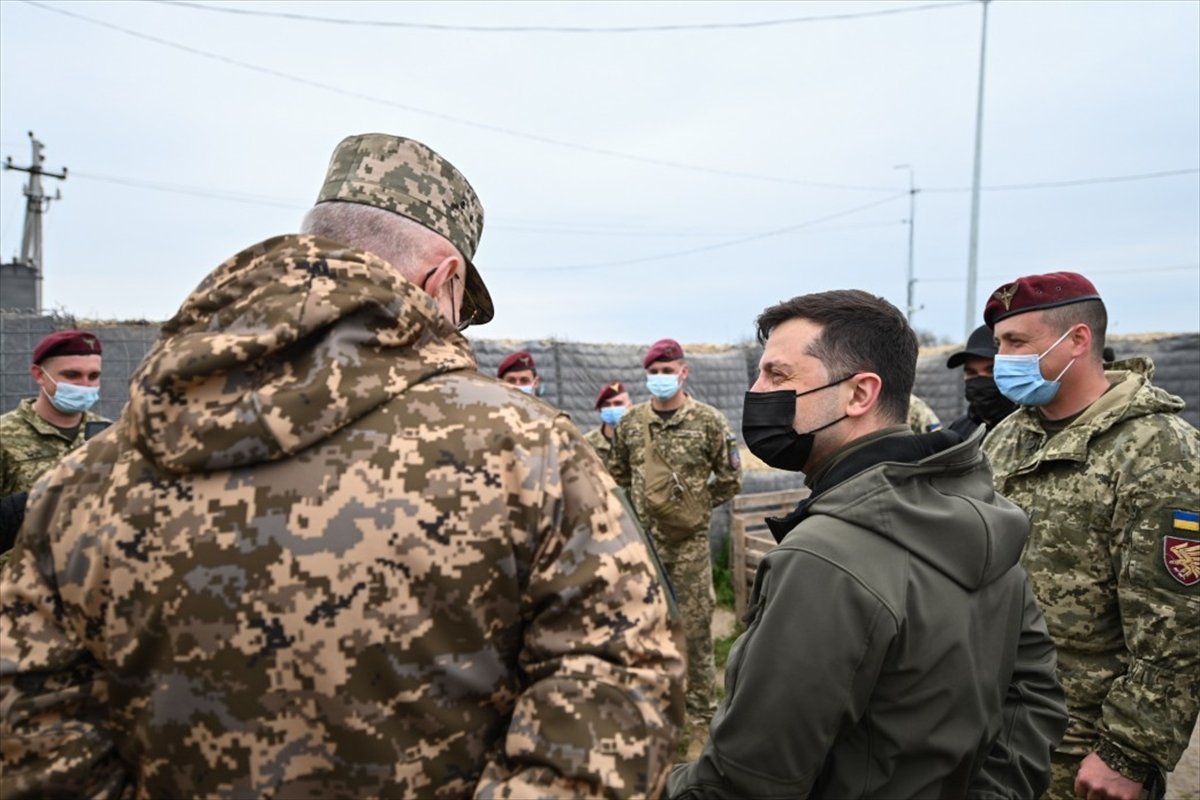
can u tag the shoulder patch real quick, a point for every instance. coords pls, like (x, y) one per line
(1181, 556)
(735, 457)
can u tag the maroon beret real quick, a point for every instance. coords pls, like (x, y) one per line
(516, 361)
(1035, 292)
(609, 391)
(663, 350)
(67, 343)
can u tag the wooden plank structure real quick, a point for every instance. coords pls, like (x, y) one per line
(750, 539)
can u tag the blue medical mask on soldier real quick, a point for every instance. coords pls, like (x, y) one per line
(70, 398)
(662, 386)
(526, 389)
(1019, 378)
(612, 415)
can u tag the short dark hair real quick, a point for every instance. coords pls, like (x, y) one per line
(1090, 312)
(860, 333)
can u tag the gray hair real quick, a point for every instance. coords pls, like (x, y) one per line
(407, 245)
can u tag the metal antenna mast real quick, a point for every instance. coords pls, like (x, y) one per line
(36, 204)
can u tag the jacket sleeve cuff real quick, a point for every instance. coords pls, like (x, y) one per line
(1123, 762)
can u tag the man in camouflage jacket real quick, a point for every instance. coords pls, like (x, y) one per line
(612, 402)
(41, 430)
(696, 441)
(921, 418)
(321, 556)
(37, 433)
(1110, 476)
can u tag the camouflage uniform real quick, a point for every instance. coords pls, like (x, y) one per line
(1115, 562)
(697, 442)
(29, 445)
(320, 555)
(921, 417)
(601, 444)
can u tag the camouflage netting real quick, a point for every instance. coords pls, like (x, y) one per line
(573, 372)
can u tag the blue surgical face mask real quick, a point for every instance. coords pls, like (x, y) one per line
(70, 398)
(1019, 378)
(663, 386)
(612, 415)
(528, 389)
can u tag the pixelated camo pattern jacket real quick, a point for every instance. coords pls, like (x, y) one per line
(321, 556)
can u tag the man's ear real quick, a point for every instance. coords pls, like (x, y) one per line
(1080, 340)
(449, 266)
(864, 394)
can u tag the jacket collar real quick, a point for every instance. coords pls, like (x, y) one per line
(894, 444)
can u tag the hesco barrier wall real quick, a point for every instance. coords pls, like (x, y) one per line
(573, 372)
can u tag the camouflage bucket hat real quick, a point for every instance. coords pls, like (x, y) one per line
(408, 178)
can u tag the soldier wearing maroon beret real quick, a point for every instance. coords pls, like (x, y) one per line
(1106, 469)
(612, 402)
(520, 370)
(676, 436)
(41, 430)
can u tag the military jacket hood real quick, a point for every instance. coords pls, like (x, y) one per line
(942, 509)
(238, 377)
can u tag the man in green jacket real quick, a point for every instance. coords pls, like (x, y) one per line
(894, 647)
(1108, 472)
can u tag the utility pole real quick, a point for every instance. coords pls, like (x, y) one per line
(973, 315)
(911, 307)
(36, 204)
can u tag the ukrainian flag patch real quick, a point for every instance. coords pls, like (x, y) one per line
(1185, 521)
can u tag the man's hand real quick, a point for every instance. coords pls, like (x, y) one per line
(1098, 781)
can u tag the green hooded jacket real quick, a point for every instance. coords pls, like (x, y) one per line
(893, 648)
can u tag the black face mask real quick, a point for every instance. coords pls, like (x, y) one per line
(986, 401)
(768, 426)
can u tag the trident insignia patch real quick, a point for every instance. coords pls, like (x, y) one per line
(1182, 559)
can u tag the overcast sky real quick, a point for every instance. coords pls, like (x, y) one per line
(621, 172)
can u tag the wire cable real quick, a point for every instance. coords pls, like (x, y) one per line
(236, 197)
(707, 248)
(1090, 272)
(606, 29)
(533, 137)
(1011, 187)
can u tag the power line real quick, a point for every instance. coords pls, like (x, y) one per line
(566, 230)
(673, 27)
(533, 137)
(1141, 176)
(707, 248)
(236, 197)
(670, 234)
(1090, 272)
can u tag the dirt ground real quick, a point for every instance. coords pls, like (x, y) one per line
(1182, 784)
